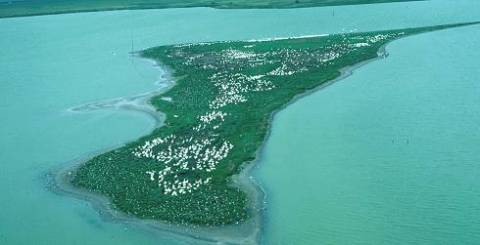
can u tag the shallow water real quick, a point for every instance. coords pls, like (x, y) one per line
(386, 156)
(49, 64)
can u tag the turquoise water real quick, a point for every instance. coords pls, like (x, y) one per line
(387, 156)
(49, 64)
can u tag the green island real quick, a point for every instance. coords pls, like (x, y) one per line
(218, 115)
(16, 8)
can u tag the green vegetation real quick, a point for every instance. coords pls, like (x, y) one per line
(31, 7)
(218, 115)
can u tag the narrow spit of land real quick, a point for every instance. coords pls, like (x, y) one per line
(16, 8)
(217, 117)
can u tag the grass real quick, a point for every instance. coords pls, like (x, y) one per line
(218, 115)
(16, 8)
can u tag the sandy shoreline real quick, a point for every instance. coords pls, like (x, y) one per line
(246, 233)
(59, 179)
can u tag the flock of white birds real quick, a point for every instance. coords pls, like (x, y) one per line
(178, 155)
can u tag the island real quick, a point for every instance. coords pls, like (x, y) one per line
(17, 8)
(218, 115)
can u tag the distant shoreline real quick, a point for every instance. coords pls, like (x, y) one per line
(32, 8)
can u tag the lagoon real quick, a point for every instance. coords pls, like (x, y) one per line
(49, 64)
